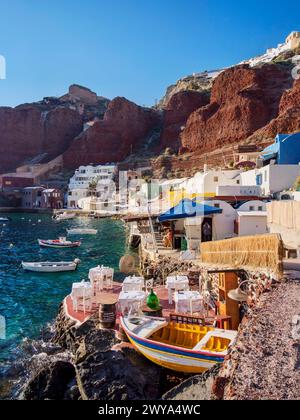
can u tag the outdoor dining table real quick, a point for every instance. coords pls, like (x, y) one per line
(97, 276)
(81, 289)
(188, 301)
(176, 283)
(133, 283)
(131, 300)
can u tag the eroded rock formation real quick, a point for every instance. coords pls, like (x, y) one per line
(123, 129)
(178, 108)
(288, 120)
(28, 131)
(243, 99)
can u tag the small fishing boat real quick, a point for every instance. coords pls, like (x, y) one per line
(82, 231)
(59, 217)
(4, 219)
(179, 347)
(58, 243)
(51, 267)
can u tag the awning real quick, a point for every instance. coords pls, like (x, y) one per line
(188, 208)
(270, 152)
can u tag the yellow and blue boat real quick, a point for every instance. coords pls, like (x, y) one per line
(179, 347)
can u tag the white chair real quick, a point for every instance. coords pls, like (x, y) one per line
(149, 285)
(97, 282)
(85, 304)
(108, 278)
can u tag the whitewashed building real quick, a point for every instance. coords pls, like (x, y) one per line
(272, 178)
(84, 176)
(222, 225)
(206, 183)
(251, 218)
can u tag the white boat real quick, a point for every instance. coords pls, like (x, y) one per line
(50, 267)
(82, 231)
(58, 243)
(179, 347)
(64, 216)
(4, 219)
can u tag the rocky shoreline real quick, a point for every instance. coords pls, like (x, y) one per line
(84, 363)
(87, 363)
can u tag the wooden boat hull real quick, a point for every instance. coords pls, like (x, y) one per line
(48, 244)
(49, 268)
(171, 357)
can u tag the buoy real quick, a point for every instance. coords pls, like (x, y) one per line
(127, 264)
(11, 245)
(39, 221)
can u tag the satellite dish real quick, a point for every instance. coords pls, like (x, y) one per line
(127, 264)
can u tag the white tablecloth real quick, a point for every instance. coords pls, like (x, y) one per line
(81, 289)
(82, 293)
(133, 284)
(131, 300)
(176, 283)
(97, 276)
(188, 302)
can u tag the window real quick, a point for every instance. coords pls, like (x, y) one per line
(251, 208)
(260, 208)
(216, 179)
(238, 182)
(217, 205)
(259, 179)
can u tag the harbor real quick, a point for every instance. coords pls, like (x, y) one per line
(149, 233)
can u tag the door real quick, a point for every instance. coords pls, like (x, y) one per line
(206, 230)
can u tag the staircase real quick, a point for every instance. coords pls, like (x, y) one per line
(159, 241)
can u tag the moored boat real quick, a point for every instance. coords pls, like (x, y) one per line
(4, 219)
(79, 231)
(50, 267)
(64, 216)
(179, 347)
(58, 243)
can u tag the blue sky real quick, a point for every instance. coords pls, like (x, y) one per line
(131, 48)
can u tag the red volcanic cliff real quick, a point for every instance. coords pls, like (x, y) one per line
(28, 131)
(178, 109)
(243, 99)
(123, 129)
(288, 120)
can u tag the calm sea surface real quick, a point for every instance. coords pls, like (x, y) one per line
(28, 301)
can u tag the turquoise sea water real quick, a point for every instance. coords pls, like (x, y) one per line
(28, 301)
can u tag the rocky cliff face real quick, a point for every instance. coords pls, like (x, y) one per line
(197, 82)
(243, 99)
(288, 119)
(122, 130)
(177, 110)
(29, 130)
(202, 114)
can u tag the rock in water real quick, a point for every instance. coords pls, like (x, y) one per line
(119, 374)
(50, 383)
(105, 368)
